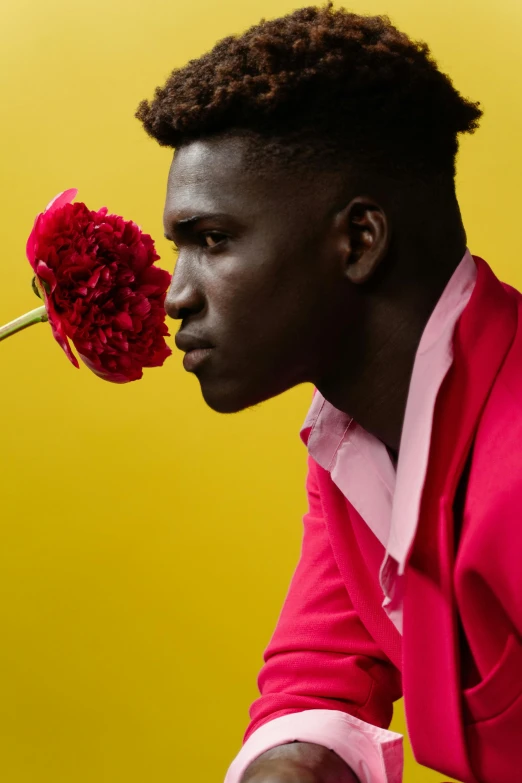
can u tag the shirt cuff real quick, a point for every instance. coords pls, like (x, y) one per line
(375, 755)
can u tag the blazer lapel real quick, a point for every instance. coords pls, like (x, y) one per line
(431, 666)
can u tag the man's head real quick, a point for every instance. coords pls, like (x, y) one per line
(319, 146)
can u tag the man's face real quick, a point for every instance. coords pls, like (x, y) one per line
(258, 275)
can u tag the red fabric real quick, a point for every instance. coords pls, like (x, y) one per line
(461, 652)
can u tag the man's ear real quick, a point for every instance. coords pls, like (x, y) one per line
(366, 236)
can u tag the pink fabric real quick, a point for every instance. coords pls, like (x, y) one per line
(375, 754)
(358, 463)
(335, 649)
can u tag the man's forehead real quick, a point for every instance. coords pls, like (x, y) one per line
(210, 176)
(207, 160)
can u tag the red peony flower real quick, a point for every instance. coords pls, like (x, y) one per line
(101, 289)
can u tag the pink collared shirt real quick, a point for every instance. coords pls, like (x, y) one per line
(388, 500)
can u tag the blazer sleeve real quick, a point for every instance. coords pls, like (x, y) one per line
(321, 656)
(321, 660)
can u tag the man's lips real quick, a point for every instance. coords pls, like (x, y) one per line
(190, 342)
(194, 358)
(196, 349)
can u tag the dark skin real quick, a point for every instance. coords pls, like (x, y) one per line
(328, 280)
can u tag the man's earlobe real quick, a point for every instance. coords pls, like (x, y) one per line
(368, 233)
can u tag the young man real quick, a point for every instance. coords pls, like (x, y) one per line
(312, 201)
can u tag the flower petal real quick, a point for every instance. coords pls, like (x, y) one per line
(107, 375)
(58, 332)
(47, 275)
(30, 248)
(65, 197)
(123, 320)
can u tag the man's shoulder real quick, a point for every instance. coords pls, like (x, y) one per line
(499, 432)
(509, 378)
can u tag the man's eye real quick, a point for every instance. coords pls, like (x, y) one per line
(209, 240)
(214, 236)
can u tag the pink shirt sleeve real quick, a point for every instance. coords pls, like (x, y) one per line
(375, 755)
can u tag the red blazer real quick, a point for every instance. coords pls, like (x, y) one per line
(459, 661)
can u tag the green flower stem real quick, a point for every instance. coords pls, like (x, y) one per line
(33, 317)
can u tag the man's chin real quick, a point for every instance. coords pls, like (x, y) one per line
(229, 401)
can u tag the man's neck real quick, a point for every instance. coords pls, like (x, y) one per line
(374, 388)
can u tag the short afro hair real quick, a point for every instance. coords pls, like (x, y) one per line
(320, 87)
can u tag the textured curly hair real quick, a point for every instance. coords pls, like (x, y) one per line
(320, 84)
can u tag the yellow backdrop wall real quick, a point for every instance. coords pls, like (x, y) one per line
(142, 567)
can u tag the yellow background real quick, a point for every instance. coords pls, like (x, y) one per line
(142, 566)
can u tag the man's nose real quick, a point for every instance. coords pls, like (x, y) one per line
(184, 296)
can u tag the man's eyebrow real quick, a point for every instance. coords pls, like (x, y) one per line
(185, 223)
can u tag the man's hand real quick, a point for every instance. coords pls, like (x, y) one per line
(299, 762)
